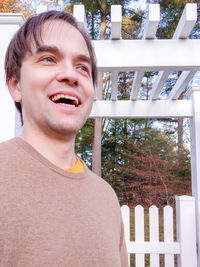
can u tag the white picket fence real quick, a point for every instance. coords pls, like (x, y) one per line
(184, 247)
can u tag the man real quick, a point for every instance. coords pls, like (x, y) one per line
(54, 211)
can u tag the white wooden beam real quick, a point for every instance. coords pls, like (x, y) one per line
(152, 21)
(145, 247)
(158, 84)
(137, 81)
(11, 19)
(188, 93)
(147, 55)
(183, 29)
(195, 157)
(186, 22)
(79, 14)
(116, 22)
(9, 24)
(181, 84)
(141, 109)
(114, 88)
(186, 231)
(150, 30)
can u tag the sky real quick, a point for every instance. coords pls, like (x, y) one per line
(135, 4)
(140, 4)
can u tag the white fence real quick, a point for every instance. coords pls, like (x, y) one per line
(184, 247)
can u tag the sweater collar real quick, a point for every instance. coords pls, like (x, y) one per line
(44, 161)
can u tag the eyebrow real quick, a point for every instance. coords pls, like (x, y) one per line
(48, 48)
(55, 50)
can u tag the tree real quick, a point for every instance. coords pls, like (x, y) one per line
(17, 6)
(142, 167)
(9, 6)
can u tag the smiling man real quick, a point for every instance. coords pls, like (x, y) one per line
(54, 211)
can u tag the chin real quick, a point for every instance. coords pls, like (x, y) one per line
(62, 130)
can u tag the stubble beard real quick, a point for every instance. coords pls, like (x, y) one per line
(63, 129)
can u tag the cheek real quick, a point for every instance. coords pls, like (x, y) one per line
(90, 91)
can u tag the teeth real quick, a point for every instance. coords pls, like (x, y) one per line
(65, 104)
(57, 97)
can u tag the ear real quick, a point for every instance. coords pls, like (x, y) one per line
(14, 89)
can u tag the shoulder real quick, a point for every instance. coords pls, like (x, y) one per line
(11, 157)
(103, 187)
(99, 180)
(6, 146)
(9, 148)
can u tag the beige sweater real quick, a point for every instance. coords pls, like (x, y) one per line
(55, 218)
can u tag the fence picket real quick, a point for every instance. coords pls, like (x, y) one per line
(154, 234)
(168, 233)
(126, 219)
(184, 247)
(139, 234)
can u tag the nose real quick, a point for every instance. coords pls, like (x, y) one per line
(68, 75)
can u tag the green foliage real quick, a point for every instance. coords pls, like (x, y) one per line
(83, 146)
(142, 165)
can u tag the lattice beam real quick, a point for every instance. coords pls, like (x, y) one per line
(158, 84)
(141, 109)
(186, 22)
(147, 55)
(152, 21)
(183, 30)
(79, 14)
(136, 84)
(116, 22)
(181, 84)
(150, 30)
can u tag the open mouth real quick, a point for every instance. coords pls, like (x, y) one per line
(65, 100)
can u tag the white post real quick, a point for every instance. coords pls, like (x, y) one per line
(186, 231)
(154, 234)
(9, 24)
(139, 234)
(79, 14)
(125, 210)
(151, 25)
(116, 22)
(195, 157)
(168, 233)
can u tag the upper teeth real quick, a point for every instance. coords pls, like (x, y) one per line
(57, 97)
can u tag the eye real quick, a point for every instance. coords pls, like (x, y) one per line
(48, 59)
(84, 68)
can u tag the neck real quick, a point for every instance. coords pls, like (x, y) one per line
(59, 151)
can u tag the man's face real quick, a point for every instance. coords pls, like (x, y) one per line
(56, 88)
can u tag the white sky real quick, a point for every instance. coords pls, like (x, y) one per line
(140, 4)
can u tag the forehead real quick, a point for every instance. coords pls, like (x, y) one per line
(63, 35)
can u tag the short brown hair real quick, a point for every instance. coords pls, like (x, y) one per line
(31, 30)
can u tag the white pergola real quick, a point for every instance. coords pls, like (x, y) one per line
(149, 54)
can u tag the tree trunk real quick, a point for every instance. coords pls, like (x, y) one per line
(96, 148)
(180, 140)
